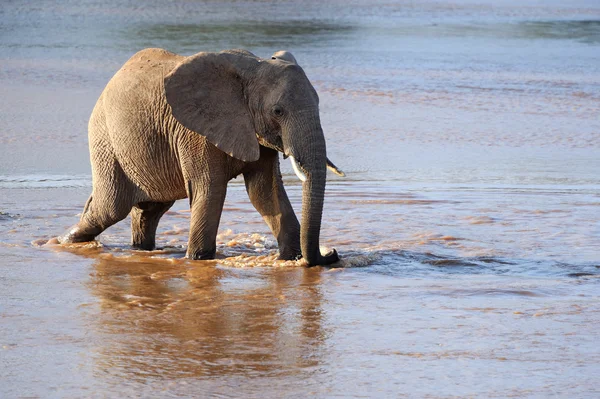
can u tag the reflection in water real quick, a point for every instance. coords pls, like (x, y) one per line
(173, 319)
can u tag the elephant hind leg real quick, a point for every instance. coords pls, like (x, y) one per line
(111, 201)
(144, 221)
(96, 218)
(82, 231)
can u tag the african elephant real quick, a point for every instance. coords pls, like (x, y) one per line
(167, 127)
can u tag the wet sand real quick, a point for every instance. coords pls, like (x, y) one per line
(468, 222)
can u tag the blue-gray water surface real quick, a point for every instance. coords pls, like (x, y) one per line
(468, 223)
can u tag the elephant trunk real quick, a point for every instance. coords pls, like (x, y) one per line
(313, 163)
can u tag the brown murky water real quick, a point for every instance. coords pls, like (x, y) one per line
(469, 223)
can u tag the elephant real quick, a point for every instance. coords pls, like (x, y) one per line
(168, 127)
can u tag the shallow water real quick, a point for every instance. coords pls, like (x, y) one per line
(468, 223)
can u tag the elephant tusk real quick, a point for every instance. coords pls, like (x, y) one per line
(335, 169)
(297, 170)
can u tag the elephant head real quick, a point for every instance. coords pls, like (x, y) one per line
(239, 101)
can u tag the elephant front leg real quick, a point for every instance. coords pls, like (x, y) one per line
(206, 204)
(265, 189)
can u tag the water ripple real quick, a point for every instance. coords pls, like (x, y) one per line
(45, 181)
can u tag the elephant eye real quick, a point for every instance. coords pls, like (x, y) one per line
(277, 111)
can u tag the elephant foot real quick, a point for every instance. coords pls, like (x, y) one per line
(289, 257)
(201, 255)
(144, 246)
(289, 254)
(75, 235)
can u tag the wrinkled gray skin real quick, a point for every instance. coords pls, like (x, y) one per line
(167, 127)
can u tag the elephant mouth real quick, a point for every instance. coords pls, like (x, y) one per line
(301, 172)
(274, 146)
(299, 169)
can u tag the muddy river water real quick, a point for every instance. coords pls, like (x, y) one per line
(468, 223)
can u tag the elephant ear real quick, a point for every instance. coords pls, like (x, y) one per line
(206, 95)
